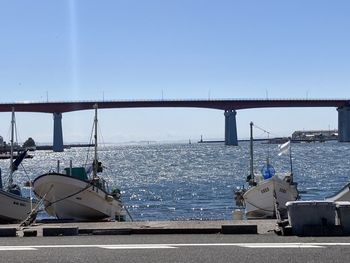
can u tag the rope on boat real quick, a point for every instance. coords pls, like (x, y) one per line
(265, 131)
(32, 215)
(276, 204)
(127, 211)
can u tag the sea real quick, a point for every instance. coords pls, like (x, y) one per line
(183, 181)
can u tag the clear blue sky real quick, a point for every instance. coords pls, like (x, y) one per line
(67, 50)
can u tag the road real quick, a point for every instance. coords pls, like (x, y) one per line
(175, 248)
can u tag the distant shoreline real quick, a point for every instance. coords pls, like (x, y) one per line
(66, 146)
(273, 140)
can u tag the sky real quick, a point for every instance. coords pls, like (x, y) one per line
(74, 50)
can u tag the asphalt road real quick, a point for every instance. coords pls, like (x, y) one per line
(175, 248)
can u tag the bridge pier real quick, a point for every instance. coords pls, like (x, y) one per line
(57, 132)
(230, 128)
(344, 124)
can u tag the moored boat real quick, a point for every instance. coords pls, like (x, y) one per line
(268, 192)
(79, 193)
(14, 207)
(73, 196)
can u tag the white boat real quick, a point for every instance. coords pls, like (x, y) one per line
(79, 194)
(73, 198)
(268, 192)
(14, 207)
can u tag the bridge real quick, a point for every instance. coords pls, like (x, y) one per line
(229, 106)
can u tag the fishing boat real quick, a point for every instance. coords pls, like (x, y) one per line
(268, 192)
(14, 207)
(79, 193)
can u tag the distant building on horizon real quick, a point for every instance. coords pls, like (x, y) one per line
(315, 135)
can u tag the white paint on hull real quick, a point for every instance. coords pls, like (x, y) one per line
(259, 200)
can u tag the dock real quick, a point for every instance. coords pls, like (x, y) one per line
(57, 228)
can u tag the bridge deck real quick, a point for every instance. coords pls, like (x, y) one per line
(236, 104)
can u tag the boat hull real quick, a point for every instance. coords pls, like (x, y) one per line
(14, 208)
(74, 199)
(260, 200)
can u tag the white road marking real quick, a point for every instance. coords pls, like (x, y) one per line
(15, 248)
(265, 245)
(170, 246)
(281, 245)
(145, 246)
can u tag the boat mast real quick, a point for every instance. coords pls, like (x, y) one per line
(95, 148)
(290, 158)
(251, 152)
(11, 145)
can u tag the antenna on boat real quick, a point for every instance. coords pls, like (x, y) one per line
(251, 152)
(290, 159)
(95, 163)
(11, 149)
(268, 150)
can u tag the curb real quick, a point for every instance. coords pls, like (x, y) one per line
(75, 231)
(225, 229)
(176, 231)
(8, 232)
(121, 231)
(30, 233)
(60, 231)
(239, 229)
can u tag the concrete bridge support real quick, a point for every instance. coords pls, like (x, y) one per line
(230, 128)
(57, 132)
(344, 124)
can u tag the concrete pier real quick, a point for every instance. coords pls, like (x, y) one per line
(191, 227)
(57, 132)
(230, 128)
(146, 228)
(344, 124)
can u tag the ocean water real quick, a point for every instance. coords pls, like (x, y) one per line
(196, 181)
